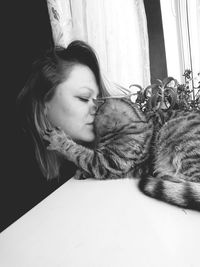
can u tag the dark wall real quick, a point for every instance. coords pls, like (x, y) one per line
(156, 40)
(28, 35)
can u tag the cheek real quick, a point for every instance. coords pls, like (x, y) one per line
(57, 114)
(71, 121)
(71, 117)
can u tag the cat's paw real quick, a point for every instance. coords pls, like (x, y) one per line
(78, 175)
(56, 138)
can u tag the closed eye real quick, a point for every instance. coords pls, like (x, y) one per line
(83, 99)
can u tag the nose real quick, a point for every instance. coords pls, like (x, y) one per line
(93, 107)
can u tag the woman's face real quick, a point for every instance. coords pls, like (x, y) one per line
(72, 108)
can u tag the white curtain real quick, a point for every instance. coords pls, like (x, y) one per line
(181, 24)
(116, 29)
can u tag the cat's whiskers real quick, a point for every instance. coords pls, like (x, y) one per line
(117, 96)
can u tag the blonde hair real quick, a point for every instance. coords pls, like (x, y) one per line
(47, 74)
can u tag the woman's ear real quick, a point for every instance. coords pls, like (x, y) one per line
(46, 108)
(48, 125)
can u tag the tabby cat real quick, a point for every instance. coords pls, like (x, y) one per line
(176, 165)
(123, 137)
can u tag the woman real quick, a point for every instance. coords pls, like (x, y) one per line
(60, 92)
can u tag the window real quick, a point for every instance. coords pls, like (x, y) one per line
(181, 26)
(116, 29)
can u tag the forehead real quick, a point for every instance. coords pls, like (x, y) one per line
(80, 76)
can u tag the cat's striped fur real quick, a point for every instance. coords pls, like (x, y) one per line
(123, 137)
(176, 166)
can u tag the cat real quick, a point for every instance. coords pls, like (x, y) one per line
(176, 163)
(123, 136)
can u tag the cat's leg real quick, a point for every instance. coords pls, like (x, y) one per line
(78, 154)
(98, 164)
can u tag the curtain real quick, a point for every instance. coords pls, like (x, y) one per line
(116, 29)
(194, 26)
(181, 23)
(188, 18)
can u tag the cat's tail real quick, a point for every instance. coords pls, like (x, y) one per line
(184, 194)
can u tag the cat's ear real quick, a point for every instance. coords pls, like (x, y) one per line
(99, 101)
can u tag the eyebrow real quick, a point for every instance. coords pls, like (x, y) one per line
(90, 89)
(86, 87)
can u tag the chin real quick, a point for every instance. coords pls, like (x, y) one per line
(87, 142)
(88, 138)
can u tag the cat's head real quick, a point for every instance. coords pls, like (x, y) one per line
(111, 115)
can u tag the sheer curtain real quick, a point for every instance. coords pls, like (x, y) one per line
(181, 23)
(116, 29)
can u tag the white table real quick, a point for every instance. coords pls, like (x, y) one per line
(90, 223)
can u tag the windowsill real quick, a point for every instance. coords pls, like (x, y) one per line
(102, 223)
